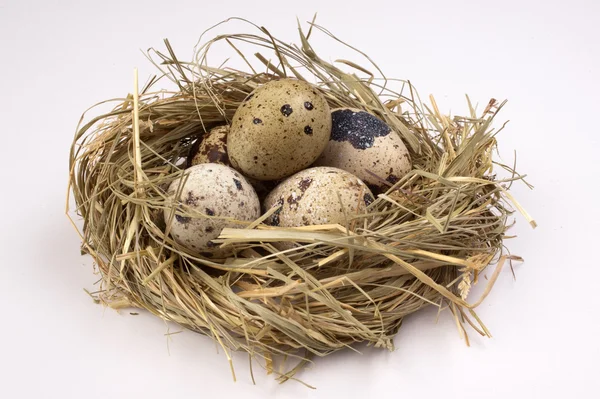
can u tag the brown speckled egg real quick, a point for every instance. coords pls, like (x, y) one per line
(210, 190)
(213, 147)
(281, 128)
(310, 197)
(361, 142)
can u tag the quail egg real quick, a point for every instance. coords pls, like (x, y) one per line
(365, 146)
(281, 128)
(210, 191)
(310, 197)
(212, 148)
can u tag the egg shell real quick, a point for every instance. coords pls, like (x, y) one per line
(310, 197)
(362, 143)
(213, 147)
(281, 128)
(210, 190)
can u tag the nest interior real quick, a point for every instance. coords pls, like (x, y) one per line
(423, 242)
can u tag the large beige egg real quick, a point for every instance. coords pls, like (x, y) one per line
(281, 128)
(310, 197)
(210, 190)
(212, 148)
(365, 146)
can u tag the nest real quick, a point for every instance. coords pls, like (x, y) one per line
(423, 241)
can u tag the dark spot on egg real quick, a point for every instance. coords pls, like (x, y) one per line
(305, 183)
(209, 229)
(238, 184)
(256, 121)
(209, 212)
(308, 130)
(358, 128)
(286, 110)
(275, 216)
(308, 105)
(255, 157)
(183, 219)
(368, 198)
(215, 155)
(191, 199)
(292, 200)
(242, 204)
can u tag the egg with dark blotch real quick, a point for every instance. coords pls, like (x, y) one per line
(310, 197)
(280, 129)
(213, 149)
(210, 193)
(367, 147)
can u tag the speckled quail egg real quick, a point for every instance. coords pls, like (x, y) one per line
(362, 143)
(209, 190)
(213, 149)
(281, 128)
(310, 197)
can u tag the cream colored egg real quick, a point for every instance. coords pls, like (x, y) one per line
(210, 191)
(281, 128)
(365, 146)
(213, 147)
(310, 197)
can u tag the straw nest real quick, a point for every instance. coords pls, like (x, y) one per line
(423, 242)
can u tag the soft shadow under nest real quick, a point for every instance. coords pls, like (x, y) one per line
(425, 241)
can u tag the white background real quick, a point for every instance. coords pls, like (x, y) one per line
(59, 57)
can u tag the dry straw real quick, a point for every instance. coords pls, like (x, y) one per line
(423, 242)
